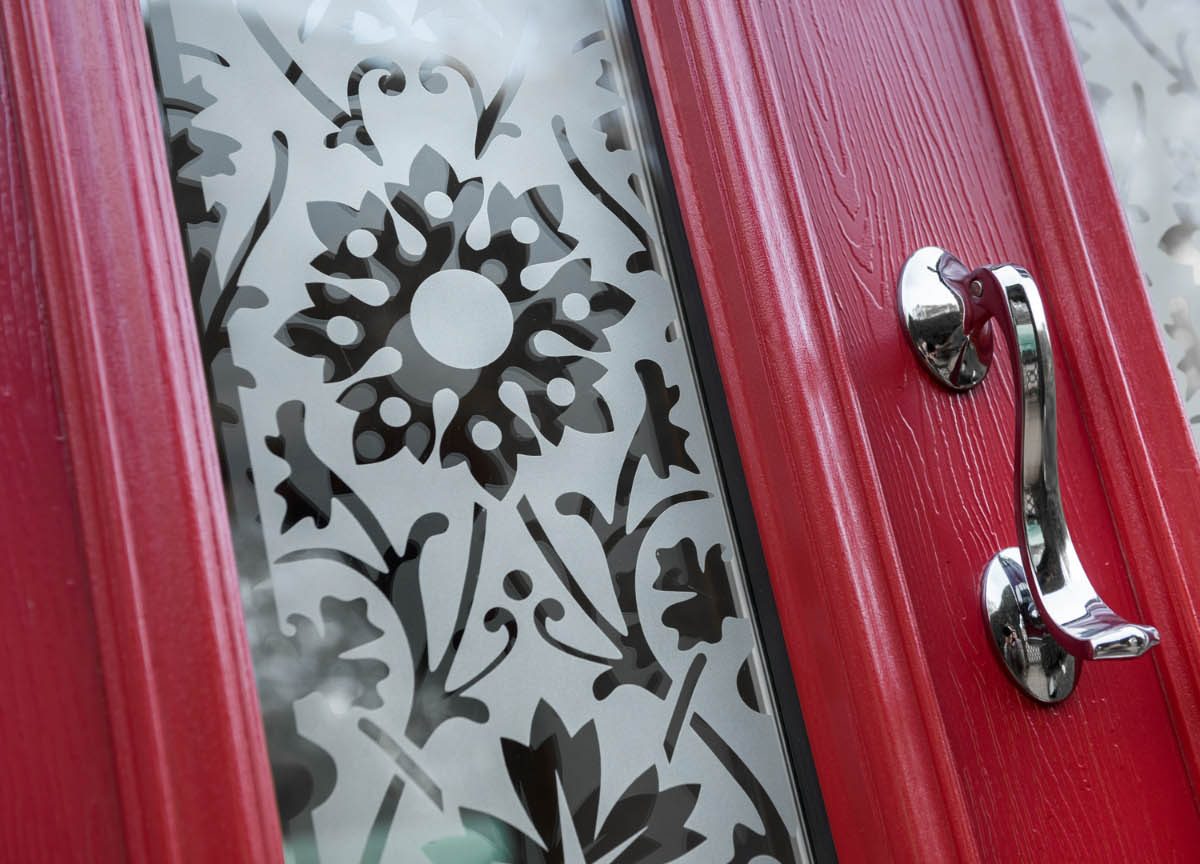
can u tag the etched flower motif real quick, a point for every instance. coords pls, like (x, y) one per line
(450, 347)
(557, 777)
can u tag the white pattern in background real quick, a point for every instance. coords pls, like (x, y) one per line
(1140, 59)
(494, 597)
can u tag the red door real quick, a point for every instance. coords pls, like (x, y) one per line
(811, 150)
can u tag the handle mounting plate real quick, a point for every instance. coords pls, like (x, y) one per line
(1037, 664)
(935, 317)
(1043, 613)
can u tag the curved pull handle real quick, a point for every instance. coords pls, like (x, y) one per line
(948, 312)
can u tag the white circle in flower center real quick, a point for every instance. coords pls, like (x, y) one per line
(438, 205)
(485, 434)
(342, 330)
(524, 230)
(394, 411)
(361, 243)
(461, 319)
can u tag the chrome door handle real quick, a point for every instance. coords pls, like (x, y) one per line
(1039, 625)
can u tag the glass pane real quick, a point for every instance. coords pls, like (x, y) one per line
(1141, 59)
(495, 601)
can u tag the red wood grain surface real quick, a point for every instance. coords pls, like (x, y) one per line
(185, 743)
(814, 146)
(870, 708)
(58, 792)
(1148, 465)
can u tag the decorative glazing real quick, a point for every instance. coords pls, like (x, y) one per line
(495, 601)
(1141, 59)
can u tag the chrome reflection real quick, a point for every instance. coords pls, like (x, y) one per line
(1037, 664)
(947, 311)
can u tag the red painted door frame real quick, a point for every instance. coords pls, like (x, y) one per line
(811, 116)
(185, 738)
(55, 744)
(133, 502)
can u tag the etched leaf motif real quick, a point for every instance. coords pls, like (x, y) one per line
(1182, 242)
(310, 486)
(1183, 331)
(437, 316)
(658, 442)
(700, 617)
(434, 700)
(749, 844)
(647, 824)
(661, 442)
(313, 659)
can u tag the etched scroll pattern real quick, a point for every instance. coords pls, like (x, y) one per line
(495, 602)
(1140, 59)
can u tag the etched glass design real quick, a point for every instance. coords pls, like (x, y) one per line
(495, 602)
(1140, 59)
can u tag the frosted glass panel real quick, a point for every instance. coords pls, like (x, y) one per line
(1141, 59)
(496, 605)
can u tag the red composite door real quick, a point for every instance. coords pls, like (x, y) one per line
(813, 148)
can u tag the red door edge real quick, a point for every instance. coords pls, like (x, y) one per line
(55, 743)
(195, 783)
(189, 748)
(1135, 420)
(771, 319)
(882, 756)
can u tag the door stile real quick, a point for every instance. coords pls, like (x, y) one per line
(884, 762)
(54, 729)
(1124, 382)
(187, 737)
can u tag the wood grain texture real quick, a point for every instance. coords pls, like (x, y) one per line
(186, 738)
(891, 131)
(830, 140)
(1135, 422)
(60, 794)
(870, 709)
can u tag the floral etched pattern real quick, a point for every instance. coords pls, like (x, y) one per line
(351, 321)
(497, 608)
(1140, 59)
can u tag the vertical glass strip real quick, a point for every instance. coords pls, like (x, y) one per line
(496, 605)
(1141, 62)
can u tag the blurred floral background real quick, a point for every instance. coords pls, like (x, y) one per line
(1140, 58)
